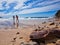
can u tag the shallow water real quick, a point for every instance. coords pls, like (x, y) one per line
(23, 22)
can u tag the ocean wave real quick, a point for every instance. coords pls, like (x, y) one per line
(29, 18)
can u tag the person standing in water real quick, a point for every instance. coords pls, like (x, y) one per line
(17, 21)
(14, 21)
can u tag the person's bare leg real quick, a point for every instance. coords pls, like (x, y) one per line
(14, 21)
(17, 21)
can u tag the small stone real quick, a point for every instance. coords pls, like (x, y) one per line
(52, 23)
(14, 38)
(17, 33)
(36, 30)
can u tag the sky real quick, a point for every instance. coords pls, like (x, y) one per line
(29, 8)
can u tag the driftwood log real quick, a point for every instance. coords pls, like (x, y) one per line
(42, 35)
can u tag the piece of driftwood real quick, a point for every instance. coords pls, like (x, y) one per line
(42, 35)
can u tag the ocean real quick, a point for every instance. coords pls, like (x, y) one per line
(23, 22)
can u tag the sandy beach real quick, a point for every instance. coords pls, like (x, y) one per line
(29, 22)
(14, 36)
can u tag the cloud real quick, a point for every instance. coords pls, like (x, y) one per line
(40, 5)
(13, 7)
(9, 9)
(4, 3)
(42, 9)
(7, 6)
(45, 3)
(29, 2)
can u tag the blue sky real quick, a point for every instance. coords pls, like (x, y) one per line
(29, 8)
